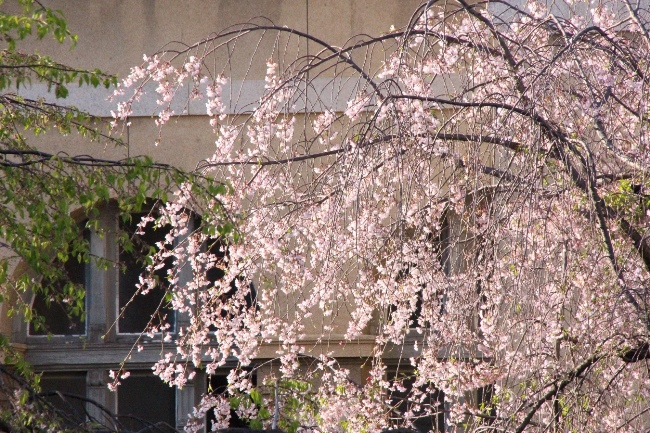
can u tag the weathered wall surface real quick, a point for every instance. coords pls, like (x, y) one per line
(113, 36)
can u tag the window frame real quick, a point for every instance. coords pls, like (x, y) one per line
(408, 373)
(85, 232)
(118, 288)
(147, 374)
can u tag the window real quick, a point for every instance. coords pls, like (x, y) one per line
(217, 384)
(143, 402)
(216, 273)
(428, 412)
(54, 313)
(439, 248)
(481, 399)
(417, 311)
(65, 392)
(138, 311)
(146, 404)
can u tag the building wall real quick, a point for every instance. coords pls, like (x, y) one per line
(113, 36)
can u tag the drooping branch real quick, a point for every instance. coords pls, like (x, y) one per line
(636, 354)
(557, 388)
(510, 144)
(81, 160)
(468, 103)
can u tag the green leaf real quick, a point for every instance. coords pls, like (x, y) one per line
(61, 91)
(256, 397)
(94, 80)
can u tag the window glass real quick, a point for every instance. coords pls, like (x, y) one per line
(433, 402)
(139, 310)
(146, 404)
(440, 248)
(216, 273)
(482, 400)
(56, 316)
(218, 384)
(417, 312)
(61, 391)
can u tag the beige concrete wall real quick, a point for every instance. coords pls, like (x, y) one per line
(114, 34)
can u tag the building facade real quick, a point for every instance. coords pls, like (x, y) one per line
(78, 356)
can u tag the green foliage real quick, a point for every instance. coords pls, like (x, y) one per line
(49, 199)
(629, 198)
(34, 19)
(20, 69)
(295, 400)
(46, 195)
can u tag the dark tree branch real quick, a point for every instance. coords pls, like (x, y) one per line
(557, 388)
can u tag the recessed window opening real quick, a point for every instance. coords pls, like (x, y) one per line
(440, 248)
(146, 404)
(218, 250)
(428, 412)
(141, 311)
(60, 312)
(66, 392)
(217, 384)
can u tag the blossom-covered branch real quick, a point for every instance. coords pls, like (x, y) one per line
(468, 193)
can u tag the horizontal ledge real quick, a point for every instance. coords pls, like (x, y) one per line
(238, 97)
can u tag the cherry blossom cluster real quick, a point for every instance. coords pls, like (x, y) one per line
(478, 210)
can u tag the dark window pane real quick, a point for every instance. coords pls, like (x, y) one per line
(441, 251)
(57, 316)
(484, 404)
(140, 309)
(218, 384)
(441, 247)
(146, 404)
(417, 312)
(432, 403)
(61, 390)
(216, 273)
